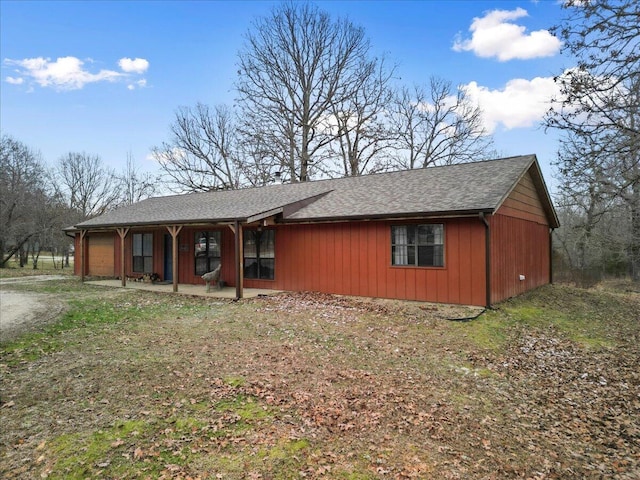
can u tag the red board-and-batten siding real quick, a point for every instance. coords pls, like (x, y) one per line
(520, 243)
(355, 259)
(349, 258)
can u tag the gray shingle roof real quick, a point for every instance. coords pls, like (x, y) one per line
(469, 187)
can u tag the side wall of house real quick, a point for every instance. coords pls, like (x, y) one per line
(349, 258)
(519, 243)
(355, 259)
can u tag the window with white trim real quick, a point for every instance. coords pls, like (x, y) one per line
(418, 245)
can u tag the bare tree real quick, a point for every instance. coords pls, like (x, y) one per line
(600, 104)
(31, 214)
(297, 63)
(21, 195)
(604, 36)
(87, 185)
(437, 125)
(360, 121)
(593, 252)
(259, 159)
(202, 154)
(582, 196)
(134, 184)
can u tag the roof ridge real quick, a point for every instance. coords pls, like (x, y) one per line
(337, 179)
(394, 172)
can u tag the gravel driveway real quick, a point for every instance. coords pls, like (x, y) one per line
(23, 311)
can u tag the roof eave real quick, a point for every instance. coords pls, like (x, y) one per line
(197, 222)
(391, 216)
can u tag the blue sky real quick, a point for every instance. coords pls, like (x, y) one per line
(107, 77)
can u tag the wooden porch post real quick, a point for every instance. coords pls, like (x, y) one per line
(82, 235)
(123, 233)
(237, 229)
(174, 230)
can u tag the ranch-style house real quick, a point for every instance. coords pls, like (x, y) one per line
(474, 233)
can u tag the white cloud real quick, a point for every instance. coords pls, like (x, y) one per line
(521, 103)
(136, 65)
(65, 73)
(494, 35)
(139, 84)
(166, 155)
(15, 81)
(69, 73)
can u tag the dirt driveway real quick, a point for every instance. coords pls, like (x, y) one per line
(24, 311)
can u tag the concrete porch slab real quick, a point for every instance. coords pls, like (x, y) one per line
(185, 289)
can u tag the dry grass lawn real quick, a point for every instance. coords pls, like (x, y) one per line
(131, 384)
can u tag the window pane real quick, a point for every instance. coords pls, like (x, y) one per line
(213, 263)
(207, 243)
(147, 247)
(214, 244)
(430, 234)
(430, 256)
(399, 235)
(250, 244)
(438, 234)
(411, 255)
(267, 244)
(411, 234)
(201, 265)
(251, 267)
(267, 268)
(148, 264)
(200, 247)
(399, 255)
(137, 244)
(425, 235)
(138, 264)
(425, 256)
(438, 256)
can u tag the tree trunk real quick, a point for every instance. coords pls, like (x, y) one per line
(16, 249)
(634, 247)
(304, 154)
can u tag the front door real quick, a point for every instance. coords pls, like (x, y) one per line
(168, 258)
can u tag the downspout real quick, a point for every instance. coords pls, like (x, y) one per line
(551, 256)
(487, 256)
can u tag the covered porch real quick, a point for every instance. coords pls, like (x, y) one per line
(171, 256)
(184, 289)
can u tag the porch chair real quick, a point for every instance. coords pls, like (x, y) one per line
(212, 277)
